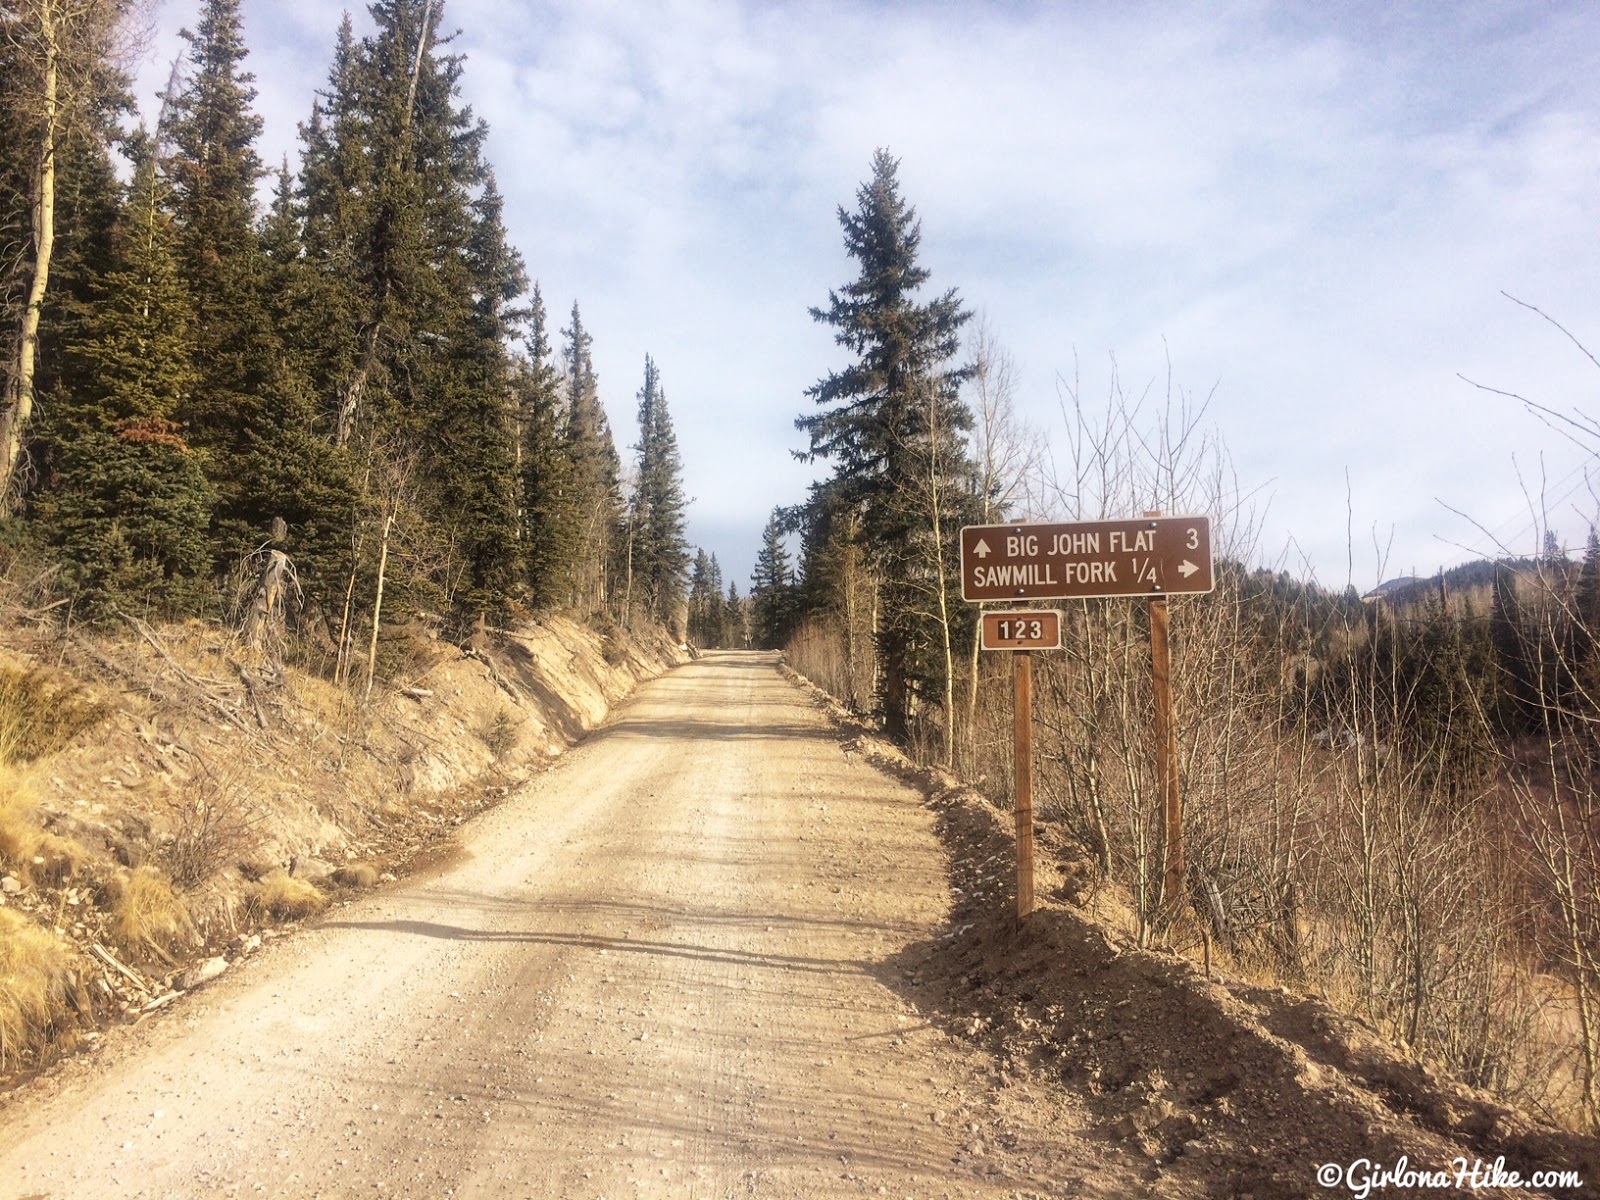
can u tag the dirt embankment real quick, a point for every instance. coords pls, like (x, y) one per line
(1220, 1086)
(199, 804)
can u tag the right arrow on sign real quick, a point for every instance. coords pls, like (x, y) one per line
(1187, 568)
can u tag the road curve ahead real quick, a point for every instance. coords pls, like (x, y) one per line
(659, 969)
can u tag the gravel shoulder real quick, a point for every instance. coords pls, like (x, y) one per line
(677, 964)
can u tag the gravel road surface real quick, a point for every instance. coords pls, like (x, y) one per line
(663, 968)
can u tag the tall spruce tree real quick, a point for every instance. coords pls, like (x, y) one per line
(475, 433)
(57, 88)
(336, 191)
(596, 493)
(127, 502)
(660, 551)
(705, 602)
(772, 589)
(892, 422)
(735, 620)
(549, 531)
(405, 238)
(252, 408)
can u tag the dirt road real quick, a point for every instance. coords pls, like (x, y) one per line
(664, 968)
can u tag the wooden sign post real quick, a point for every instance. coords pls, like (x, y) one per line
(1166, 758)
(1022, 670)
(1154, 557)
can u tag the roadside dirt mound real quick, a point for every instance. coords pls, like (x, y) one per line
(1224, 1088)
(202, 804)
(1233, 1088)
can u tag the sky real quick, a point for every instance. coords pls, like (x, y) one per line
(1309, 220)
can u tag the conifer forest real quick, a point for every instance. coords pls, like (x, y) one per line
(360, 389)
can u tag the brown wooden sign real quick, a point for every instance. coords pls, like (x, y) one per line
(1083, 560)
(1021, 629)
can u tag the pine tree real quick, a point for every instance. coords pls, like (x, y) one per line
(89, 203)
(253, 406)
(660, 551)
(735, 620)
(404, 234)
(596, 476)
(128, 502)
(1516, 691)
(701, 618)
(1586, 650)
(772, 589)
(892, 423)
(476, 466)
(549, 521)
(336, 192)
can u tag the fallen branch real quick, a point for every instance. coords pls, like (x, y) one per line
(228, 711)
(250, 691)
(110, 960)
(500, 680)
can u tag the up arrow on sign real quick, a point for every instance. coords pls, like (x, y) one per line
(981, 550)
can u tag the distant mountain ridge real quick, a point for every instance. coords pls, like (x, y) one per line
(1480, 573)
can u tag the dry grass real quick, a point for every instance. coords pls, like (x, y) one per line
(40, 713)
(27, 851)
(147, 917)
(285, 898)
(36, 980)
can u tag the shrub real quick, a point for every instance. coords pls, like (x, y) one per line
(214, 825)
(500, 734)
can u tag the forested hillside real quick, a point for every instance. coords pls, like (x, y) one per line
(354, 388)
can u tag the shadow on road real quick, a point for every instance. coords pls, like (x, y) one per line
(625, 945)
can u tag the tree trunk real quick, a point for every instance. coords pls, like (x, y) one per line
(18, 406)
(377, 606)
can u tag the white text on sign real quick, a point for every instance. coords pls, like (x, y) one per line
(1086, 559)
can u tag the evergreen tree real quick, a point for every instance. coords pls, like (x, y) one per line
(336, 192)
(128, 502)
(476, 467)
(772, 590)
(405, 238)
(89, 202)
(704, 617)
(891, 421)
(710, 622)
(596, 493)
(735, 620)
(58, 91)
(1515, 688)
(1586, 650)
(660, 551)
(549, 521)
(252, 409)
